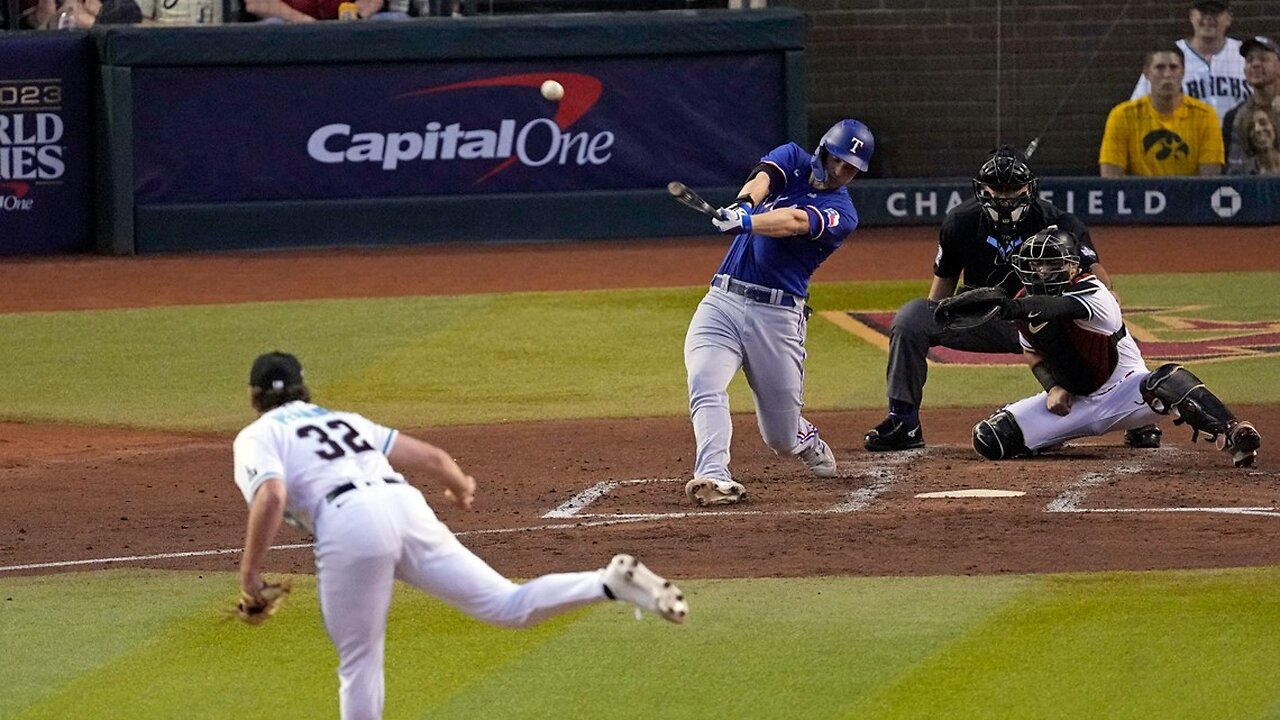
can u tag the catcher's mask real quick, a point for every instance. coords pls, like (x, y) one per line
(1005, 188)
(1047, 261)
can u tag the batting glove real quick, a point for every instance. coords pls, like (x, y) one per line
(733, 219)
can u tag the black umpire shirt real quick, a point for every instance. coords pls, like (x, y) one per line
(967, 245)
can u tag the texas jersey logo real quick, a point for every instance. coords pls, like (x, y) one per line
(833, 217)
(1165, 144)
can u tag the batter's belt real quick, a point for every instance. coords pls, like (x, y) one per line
(757, 293)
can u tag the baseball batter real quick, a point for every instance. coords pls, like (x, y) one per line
(330, 473)
(1095, 380)
(791, 214)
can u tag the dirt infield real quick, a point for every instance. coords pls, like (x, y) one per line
(75, 493)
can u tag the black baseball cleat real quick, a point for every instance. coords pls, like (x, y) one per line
(894, 434)
(1242, 444)
(1147, 437)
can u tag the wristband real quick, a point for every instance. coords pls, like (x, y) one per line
(1044, 375)
(746, 199)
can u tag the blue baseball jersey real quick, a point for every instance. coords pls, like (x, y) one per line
(788, 263)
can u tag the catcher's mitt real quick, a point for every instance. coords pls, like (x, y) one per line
(256, 608)
(971, 308)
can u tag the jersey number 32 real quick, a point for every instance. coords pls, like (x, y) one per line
(331, 450)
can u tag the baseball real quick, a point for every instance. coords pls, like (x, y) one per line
(552, 90)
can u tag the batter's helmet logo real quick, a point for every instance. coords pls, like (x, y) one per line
(1165, 144)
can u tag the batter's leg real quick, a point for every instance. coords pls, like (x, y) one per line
(774, 367)
(712, 355)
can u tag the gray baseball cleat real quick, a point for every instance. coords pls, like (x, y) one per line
(820, 459)
(705, 491)
(626, 578)
(1242, 444)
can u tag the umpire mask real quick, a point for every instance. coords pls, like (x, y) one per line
(1005, 188)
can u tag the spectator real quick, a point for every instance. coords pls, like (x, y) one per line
(45, 14)
(1261, 155)
(179, 12)
(294, 11)
(1214, 67)
(1164, 133)
(1262, 70)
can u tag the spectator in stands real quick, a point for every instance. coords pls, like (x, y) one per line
(1261, 151)
(45, 14)
(294, 11)
(1165, 132)
(1262, 70)
(452, 8)
(1213, 64)
(179, 12)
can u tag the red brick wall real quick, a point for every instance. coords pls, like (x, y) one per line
(922, 74)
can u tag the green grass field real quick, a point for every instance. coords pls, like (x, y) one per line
(144, 645)
(1114, 645)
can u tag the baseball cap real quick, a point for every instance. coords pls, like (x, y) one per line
(1260, 41)
(1214, 6)
(275, 371)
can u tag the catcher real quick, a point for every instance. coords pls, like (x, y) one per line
(977, 241)
(1095, 380)
(330, 473)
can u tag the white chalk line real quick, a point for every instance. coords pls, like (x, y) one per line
(883, 470)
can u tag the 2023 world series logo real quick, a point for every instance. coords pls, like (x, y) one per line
(31, 134)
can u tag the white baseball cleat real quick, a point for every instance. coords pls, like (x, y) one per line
(705, 491)
(626, 578)
(1243, 441)
(820, 459)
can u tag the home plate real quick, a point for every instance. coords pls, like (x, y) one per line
(972, 493)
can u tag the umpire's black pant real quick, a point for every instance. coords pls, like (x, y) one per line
(914, 331)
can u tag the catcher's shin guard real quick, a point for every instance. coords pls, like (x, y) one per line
(1174, 389)
(999, 437)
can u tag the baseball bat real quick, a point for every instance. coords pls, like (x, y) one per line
(687, 197)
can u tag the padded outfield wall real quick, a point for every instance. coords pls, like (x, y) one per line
(257, 136)
(253, 136)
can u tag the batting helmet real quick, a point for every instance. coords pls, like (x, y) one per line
(1005, 171)
(1047, 261)
(849, 140)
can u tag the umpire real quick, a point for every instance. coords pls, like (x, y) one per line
(978, 241)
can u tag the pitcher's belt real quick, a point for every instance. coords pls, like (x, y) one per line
(334, 493)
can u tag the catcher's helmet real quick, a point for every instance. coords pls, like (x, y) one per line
(1005, 171)
(849, 140)
(1047, 261)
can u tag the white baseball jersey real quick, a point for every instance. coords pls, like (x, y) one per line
(1117, 402)
(378, 529)
(1217, 80)
(314, 450)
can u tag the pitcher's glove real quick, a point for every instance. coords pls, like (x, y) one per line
(972, 308)
(254, 609)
